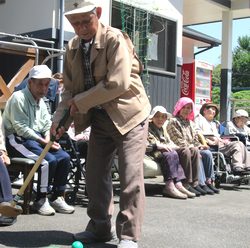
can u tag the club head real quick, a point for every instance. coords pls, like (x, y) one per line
(10, 210)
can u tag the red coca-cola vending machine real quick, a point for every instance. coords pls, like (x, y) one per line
(196, 82)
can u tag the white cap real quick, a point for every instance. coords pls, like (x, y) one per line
(83, 7)
(160, 109)
(241, 113)
(40, 71)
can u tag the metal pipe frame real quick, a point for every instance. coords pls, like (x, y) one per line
(30, 46)
(21, 39)
(27, 38)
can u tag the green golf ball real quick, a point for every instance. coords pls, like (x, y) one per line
(77, 244)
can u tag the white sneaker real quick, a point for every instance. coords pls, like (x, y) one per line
(61, 206)
(124, 243)
(42, 207)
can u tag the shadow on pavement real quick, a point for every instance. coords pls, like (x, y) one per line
(153, 189)
(233, 187)
(49, 239)
(36, 239)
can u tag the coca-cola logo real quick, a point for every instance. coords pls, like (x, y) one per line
(185, 82)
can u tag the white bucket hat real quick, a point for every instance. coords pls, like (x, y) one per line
(40, 71)
(160, 109)
(83, 7)
(241, 113)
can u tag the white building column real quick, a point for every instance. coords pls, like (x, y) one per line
(61, 36)
(226, 66)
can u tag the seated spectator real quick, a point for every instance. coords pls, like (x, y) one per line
(59, 77)
(81, 140)
(181, 130)
(238, 126)
(235, 149)
(5, 185)
(27, 124)
(51, 97)
(166, 153)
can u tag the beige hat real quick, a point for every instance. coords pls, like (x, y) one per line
(241, 113)
(40, 71)
(160, 109)
(83, 7)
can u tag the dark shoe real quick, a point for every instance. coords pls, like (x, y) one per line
(192, 190)
(88, 237)
(207, 189)
(199, 189)
(215, 190)
(186, 192)
(7, 221)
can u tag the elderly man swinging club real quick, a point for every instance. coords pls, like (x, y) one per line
(103, 90)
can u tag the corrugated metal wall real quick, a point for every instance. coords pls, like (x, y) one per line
(164, 90)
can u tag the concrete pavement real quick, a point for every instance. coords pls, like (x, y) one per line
(209, 221)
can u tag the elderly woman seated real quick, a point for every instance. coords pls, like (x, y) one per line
(170, 157)
(238, 126)
(234, 149)
(181, 130)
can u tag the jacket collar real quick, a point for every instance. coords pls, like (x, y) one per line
(100, 36)
(99, 41)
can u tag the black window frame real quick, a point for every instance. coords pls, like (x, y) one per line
(166, 30)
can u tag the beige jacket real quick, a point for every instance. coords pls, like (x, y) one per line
(116, 70)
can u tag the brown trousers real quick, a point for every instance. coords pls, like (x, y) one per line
(239, 153)
(105, 141)
(189, 160)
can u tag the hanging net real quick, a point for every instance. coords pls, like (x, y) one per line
(135, 22)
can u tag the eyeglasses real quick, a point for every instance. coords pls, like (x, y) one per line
(83, 23)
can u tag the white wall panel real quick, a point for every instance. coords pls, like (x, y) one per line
(27, 15)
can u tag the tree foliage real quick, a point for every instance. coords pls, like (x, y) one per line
(216, 77)
(240, 66)
(240, 76)
(242, 95)
(216, 95)
(241, 63)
